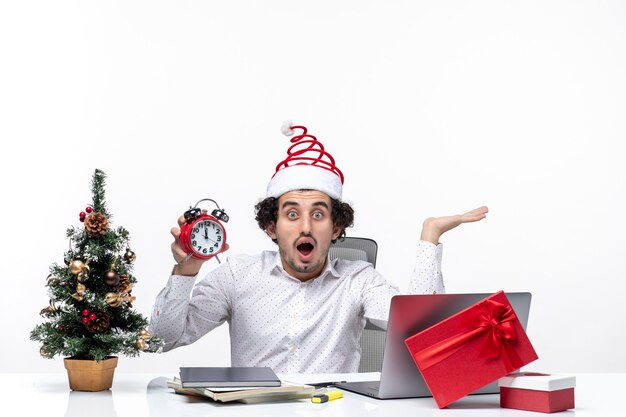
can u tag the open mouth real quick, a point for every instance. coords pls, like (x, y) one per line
(305, 248)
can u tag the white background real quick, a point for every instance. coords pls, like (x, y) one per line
(430, 108)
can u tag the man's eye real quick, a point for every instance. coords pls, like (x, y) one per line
(317, 215)
(292, 215)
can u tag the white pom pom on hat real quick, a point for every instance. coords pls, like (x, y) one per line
(307, 167)
(286, 128)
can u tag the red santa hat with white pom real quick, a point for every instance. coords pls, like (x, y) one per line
(307, 167)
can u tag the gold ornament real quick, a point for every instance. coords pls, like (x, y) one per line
(129, 256)
(80, 291)
(48, 310)
(115, 299)
(142, 339)
(96, 224)
(42, 351)
(78, 267)
(129, 299)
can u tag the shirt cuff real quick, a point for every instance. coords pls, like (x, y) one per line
(429, 255)
(180, 285)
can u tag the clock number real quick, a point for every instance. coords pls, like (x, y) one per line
(219, 238)
(217, 231)
(210, 250)
(204, 250)
(196, 230)
(195, 242)
(193, 235)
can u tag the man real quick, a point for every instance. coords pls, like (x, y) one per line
(294, 310)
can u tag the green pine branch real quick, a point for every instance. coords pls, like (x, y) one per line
(97, 192)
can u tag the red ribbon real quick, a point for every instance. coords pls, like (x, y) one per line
(493, 323)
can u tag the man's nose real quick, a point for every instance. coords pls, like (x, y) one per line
(305, 225)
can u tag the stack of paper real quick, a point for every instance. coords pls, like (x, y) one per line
(244, 384)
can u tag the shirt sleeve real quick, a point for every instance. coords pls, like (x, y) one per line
(376, 295)
(180, 319)
(427, 277)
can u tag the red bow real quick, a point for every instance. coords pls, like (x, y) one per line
(491, 321)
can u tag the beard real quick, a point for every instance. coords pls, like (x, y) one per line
(300, 267)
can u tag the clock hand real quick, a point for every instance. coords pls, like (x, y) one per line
(206, 234)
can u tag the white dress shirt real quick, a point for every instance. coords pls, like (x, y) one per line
(276, 320)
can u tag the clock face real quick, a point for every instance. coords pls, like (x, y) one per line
(206, 238)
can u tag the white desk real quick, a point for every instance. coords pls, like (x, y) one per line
(138, 395)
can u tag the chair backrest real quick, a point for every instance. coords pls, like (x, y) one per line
(372, 338)
(355, 249)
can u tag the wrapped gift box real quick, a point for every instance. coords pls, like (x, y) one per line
(471, 349)
(537, 392)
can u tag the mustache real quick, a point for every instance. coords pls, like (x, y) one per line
(304, 235)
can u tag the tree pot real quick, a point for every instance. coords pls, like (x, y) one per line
(89, 375)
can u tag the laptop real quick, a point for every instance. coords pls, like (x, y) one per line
(408, 315)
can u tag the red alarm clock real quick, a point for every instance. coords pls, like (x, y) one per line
(202, 235)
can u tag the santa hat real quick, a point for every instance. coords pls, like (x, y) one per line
(307, 167)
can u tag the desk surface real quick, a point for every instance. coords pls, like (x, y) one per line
(139, 395)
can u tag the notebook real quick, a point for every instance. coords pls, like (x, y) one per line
(220, 377)
(408, 315)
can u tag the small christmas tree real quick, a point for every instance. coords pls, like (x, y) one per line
(90, 314)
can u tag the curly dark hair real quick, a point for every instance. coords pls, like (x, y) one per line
(267, 215)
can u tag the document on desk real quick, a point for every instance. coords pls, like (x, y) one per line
(286, 391)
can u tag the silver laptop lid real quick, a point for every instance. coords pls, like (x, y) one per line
(410, 314)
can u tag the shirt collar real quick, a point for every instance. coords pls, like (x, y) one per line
(328, 270)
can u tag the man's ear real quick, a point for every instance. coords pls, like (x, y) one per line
(336, 232)
(271, 231)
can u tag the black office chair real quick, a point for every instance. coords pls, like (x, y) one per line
(373, 338)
